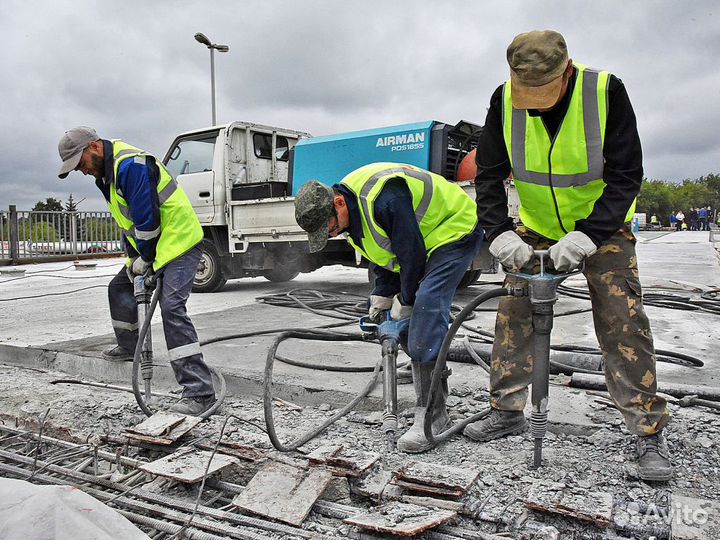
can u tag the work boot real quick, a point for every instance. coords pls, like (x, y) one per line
(117, 354)
(497, 424)
(193, 406)
(653, 458)
(413, 440)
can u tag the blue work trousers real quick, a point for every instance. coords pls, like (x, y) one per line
(431, 311)
(183, 345)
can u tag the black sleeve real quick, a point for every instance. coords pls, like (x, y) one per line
(623, 171)
(387, 283)
(493, 168)
(394, 212)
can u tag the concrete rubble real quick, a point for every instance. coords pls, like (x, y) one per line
(344, 483)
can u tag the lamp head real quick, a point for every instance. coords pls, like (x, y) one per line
(202, 38)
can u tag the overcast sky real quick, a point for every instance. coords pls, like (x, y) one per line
(132, 70)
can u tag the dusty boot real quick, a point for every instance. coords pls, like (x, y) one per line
(193, 406)
(653, 458)
(496, 425)
(117, 354)
(413, 440)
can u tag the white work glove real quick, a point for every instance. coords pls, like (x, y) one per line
(398, 311)
(128, 269)
(139, 267)
(571, 251)
(512, 252)
(378, 306)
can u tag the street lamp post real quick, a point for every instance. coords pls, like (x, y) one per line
(203, 39)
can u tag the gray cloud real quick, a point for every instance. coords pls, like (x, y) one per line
(133, 71)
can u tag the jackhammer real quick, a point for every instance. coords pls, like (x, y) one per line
(147, 300)
(542, 290)
(389, 342)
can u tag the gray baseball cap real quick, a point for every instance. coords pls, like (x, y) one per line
(71, 147)
(537, 61)
(313, 208)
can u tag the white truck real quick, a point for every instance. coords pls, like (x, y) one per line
(241, 178)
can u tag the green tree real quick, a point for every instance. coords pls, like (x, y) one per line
(51, 204)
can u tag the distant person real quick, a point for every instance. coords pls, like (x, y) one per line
(694, 219)
(569, 136)
(680, 221)
(421, 232)
(161, 232)
(702, 218)
(654, 221)
(673, 221)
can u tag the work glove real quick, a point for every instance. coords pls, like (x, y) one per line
(512, 252)
(398, 311)
(394, 329)
(378, 306)
(139, 266)
(128, 268)
(571, 251)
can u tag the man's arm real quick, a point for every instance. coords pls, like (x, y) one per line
(394, 212)
(623, 167)
(493, 168)
(138, 183)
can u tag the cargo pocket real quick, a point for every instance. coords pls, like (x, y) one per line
(634, 286)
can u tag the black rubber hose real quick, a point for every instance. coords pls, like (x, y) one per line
(433, 438)
(267, 386)
(137, 357)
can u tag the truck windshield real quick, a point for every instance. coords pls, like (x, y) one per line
(192, 155)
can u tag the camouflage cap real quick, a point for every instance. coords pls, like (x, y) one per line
(313, 208)
(537, 61)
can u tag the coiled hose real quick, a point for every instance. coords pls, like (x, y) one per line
(137, 359)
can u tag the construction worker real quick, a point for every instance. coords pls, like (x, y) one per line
(420, 231)
(568, 135)
(162, 232)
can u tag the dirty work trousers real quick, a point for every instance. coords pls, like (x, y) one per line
(187, 362)
(621, 326)
(431, 310)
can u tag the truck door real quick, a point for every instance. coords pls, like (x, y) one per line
(191, 162)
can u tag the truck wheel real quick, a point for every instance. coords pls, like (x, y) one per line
(470, 277)
(280, 274)
(209, 276)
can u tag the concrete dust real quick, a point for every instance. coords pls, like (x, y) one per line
(600, 462)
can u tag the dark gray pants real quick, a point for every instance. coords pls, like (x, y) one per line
(183, 345)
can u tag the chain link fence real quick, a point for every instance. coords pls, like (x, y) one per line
(30, 236)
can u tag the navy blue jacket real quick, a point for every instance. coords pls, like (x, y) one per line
(137, 183)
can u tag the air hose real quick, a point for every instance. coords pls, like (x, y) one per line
(137, 361)
(317, 335)
(435, 438)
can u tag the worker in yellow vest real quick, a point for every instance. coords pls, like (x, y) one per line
(420, 231)
(568, 135)
(160, 230)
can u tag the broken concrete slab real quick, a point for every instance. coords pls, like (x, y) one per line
(373, 484)
(344, 461)
(283, 492)
(694, 519)
(400, 519)
(188, 465)
(433, 478)
(163, 428)
(592, 506)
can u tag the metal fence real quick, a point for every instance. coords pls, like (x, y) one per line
(28, 236)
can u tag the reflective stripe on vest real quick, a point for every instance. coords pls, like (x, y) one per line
(443, 211)
(559, 180)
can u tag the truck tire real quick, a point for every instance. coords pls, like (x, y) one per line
(470, 277)
(209, 277)
(280, 274)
